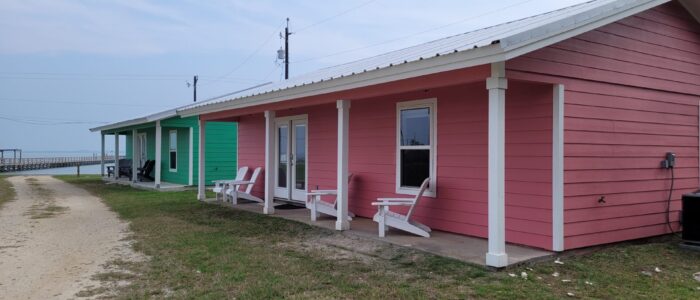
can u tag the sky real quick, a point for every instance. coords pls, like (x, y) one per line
(68, 65)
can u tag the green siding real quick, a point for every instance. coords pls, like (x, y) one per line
(181, 174)
(221, 147)
(181, 122)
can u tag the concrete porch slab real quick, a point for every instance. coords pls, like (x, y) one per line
(164, 186)
(460, 247)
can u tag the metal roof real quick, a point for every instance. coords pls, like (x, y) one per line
(482, 46)
(157, 116)
(149, 118)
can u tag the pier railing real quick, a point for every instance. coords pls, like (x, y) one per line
(37, 163)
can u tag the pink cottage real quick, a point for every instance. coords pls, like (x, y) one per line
(546, 131)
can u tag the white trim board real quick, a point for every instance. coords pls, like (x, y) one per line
(558, 167)
(496, 85)
(201, 156)
(159, 154)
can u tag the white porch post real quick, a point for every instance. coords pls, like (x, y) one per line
(159, 154)
(269, 207)
(134, 161)
(497, 85)
(102, 154)
(190, 180)
(201, 193)
(558, 168)
(343, 106)
(116, 156)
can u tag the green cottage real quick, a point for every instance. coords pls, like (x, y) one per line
(177, 166)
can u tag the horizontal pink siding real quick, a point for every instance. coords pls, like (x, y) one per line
(251, 148)
(462, 125)
(631, 96)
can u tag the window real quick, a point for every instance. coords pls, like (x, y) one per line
(172, 142)
(416, 141)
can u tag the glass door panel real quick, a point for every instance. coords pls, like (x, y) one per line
(299, 160)
(142, 147)
(282, 162)
(291, 159)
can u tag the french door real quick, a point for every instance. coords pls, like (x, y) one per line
(291, 158)
(142, 148)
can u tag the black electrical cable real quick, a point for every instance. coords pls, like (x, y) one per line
(668, 203)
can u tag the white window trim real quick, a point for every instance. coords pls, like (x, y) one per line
(430, 103)
(170, 141)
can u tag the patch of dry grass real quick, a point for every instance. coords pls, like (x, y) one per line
(207, 251)
(7, 191)
(44, 202)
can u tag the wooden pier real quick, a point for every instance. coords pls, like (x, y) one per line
(23, 164)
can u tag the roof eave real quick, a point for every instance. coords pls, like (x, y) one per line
(147, 119)
(162, 115)
(438, 64)
(121, 124)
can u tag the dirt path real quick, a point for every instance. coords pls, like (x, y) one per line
(54, 238)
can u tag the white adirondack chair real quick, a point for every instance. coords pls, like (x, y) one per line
(234, 186)
(220, 186)
(318, 206)
(387, 218)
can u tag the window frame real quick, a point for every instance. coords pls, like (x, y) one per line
(171, 150)
(431, 104)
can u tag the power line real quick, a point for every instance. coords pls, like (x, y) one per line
(92, 74)
(236, 92)
(113, 75)
(271, 71)
(233, 80)
(39, 118)
(414, 34)
(47, 123)
(335, 16)
(249, 57)
(73, 102)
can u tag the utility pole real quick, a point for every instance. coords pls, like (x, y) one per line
(194, 83)
(286, 50)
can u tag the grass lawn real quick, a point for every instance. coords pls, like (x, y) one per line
(206, 251)
(7, 193)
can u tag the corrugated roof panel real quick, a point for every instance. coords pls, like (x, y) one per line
(457, 43)
(507, 35)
